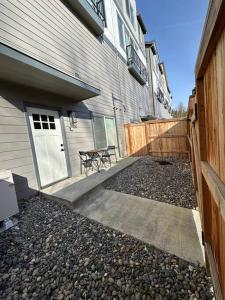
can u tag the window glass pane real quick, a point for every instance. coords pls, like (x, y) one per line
(44, 118)
(128, 7)
(45, 125)
(99, 132)
(36, 117)
(132, 15)
(132, 42)
(121, 30)
(127, 38)
(52, 125)
(111, 131)
(139, 32)
(51, 119)
(37, 125)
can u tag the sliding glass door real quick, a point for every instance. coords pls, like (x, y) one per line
(110, 131)
(104, 131)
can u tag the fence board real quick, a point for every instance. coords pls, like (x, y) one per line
(136, 139)
(159, 138)
(206, 113)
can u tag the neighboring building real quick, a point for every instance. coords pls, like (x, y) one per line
(72, 73)
(160, 95)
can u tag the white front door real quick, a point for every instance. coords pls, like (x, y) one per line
(48, 144)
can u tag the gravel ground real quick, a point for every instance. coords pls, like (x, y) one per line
(170, 183)
(54, 253)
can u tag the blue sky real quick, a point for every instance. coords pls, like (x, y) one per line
(176, 25)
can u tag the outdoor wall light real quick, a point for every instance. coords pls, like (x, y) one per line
(72, 119)
(119, 109)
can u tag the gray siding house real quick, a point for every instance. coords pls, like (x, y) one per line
(71, 74)
(159, 91)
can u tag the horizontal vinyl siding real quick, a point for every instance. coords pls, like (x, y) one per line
(11, 121)
(17, 154)
(55, 36)
(57, 48)
(134, 95)
(13, 146)
(162, 111)
(15, 149)
(14, 137)
(49, 32)
(10, 129)
(78, 139)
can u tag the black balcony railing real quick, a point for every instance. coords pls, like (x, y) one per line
(166, 105)
(134, 61)
(99, 8)
(160, 96)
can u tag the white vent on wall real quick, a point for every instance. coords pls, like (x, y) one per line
(8, 199)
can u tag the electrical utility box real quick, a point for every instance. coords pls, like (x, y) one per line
(8, 199)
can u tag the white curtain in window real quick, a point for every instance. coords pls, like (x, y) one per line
(110, 131)
(99, 132)
(104, 132)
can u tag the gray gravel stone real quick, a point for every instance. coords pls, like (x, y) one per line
(86, 260)
(170, 183)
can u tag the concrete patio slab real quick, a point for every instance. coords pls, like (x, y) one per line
(170, 228)
(75, 190)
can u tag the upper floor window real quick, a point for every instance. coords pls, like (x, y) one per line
(121, 31)
(130, 11)
(129, 41)
(128, 7)
(104, 129)
(141, 36)
(132, 15)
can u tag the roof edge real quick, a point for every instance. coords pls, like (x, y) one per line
(141, 22)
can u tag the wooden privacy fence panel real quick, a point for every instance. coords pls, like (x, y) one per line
(167, 138)
(207, 138)
(136, 139)
(158, 138)
(210, 194)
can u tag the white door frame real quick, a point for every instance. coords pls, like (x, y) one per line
(62, 124)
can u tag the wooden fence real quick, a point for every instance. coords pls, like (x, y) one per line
(207, 139)
(158, 138)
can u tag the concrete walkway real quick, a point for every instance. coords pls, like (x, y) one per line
(170, 228)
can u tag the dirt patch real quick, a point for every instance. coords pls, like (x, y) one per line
(163, 162)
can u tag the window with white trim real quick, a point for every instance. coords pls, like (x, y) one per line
(129, 41)
(132, 15)
(130, 12)
(121, 31)
(104, 131)
(128, 7)
(44, 122)
(141, 35)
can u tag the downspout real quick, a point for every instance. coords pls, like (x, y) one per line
(121, 100)
(152, 82)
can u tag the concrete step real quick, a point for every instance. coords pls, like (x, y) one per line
(72, 192)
